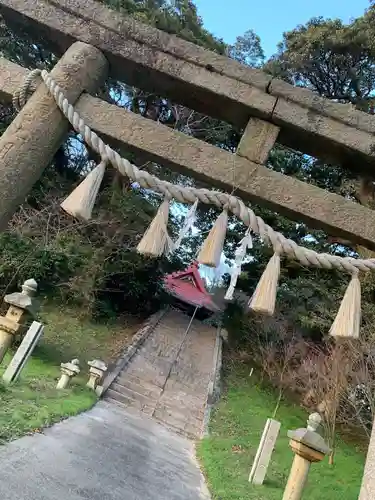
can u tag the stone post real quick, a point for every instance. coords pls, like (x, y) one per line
(22, 308)
(257, 141)
(264, 453)
(97, 371)
(68, 371)
(23, 353)
(308, 447)
(368, 481)
(31, 140)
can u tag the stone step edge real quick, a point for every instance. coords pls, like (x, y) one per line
(126, 391)
(137, 411)
(137, 341)
(129, 382)
(179, 430)
(128, 401)
(169, 404)
(173, 412)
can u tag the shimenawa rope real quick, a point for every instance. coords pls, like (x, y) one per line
(289, 248)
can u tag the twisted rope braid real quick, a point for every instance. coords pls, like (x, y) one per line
(305, 256)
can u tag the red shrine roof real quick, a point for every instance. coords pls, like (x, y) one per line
(189, 287)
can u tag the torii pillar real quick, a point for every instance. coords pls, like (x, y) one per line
(31, 140)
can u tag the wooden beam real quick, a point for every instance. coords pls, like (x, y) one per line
(290, 197)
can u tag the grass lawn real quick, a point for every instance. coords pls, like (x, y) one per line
(33, 402)
(236, 427)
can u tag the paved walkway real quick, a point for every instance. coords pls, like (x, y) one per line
(104, 454)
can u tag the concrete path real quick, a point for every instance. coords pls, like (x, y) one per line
(104, 454)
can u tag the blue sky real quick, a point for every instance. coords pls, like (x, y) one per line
(228, 19)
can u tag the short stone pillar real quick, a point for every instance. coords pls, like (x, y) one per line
(308, 447)
(257, 141)
(97, 371)
(22, 309)
(68, 371)
(23, 353)
(264, 453)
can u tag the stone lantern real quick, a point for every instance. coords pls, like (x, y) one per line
(308, 447)
(68, 371)
(97, 371)
(22, 309)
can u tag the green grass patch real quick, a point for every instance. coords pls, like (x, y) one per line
(33, 401)
(68, 335)
(236, 428)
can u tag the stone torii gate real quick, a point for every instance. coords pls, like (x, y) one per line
(93, 40)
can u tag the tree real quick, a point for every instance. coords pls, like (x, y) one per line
(331, 58)
(337, 61)
(247, 50)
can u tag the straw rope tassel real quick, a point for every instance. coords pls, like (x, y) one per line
(264, 298)
(187, 194)
(81, 201)
(348, 319)
(155, 242)
(212, 247)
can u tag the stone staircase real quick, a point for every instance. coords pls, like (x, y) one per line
(169, 377)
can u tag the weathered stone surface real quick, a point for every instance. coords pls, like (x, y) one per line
(289, 196)
(169, 377)
(11, 76)
(23, 353)
(257, 141)
(198, 158)
(368, 481)
(297, 479)
(324, 137)
(137, 341)
(202, 80)
(22, 307)
(346, 113)
(170, 44)
(264, 453)
(68, 371)
(130, 29)
(31, 140)
(97, 371)
(24, 300)
(309, 438)
(149, 59)
(308, 446)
